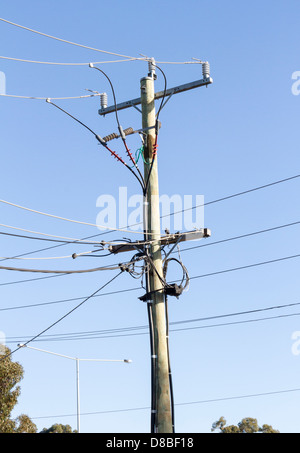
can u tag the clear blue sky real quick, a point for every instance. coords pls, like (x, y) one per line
(240, 133)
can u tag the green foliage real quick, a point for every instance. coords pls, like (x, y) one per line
(60, 429)
(246, 426)
(11, 373)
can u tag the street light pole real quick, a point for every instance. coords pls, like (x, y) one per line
(77, 360)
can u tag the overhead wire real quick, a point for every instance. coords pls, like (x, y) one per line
(56, 63)
(100, 140)
(229, 398)
(66, 219)
(45, 98)
(61, 318)
(77, 271)
(209, 274)
(211, 202)
(207, 203)
(113, 333)
(68, 42)
(141, 179)
(65, 239)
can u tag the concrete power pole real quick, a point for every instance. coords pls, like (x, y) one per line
(163, 416)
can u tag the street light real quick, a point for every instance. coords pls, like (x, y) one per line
(77, 371)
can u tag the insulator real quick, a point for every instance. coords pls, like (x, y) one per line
(206, 70)
(110, 137)
(103, 100)
(128, 131)
(151, 68)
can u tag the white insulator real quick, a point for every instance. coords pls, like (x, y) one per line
(151, 67)
(206, 70)
(103, 100)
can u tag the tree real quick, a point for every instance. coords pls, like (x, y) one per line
(11, 373)
(61, 429)
(246, 426)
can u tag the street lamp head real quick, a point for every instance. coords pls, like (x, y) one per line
(127, 361)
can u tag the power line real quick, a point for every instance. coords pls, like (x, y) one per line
(69, 42)
(30, 280)
(47, 271)
(205, 204)
(67, 300)
(66, 219)
(65, 242)
(207, 401)
(245, 267)
(235, 195)
(45, 98)
(112, 333)
(138, 288)
(62, 317)
(55, 63)
(208, 203)
(241, 236)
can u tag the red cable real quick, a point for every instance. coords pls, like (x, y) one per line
(129, 153)
(116, 156)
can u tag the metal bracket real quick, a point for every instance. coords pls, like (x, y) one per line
(169, 92)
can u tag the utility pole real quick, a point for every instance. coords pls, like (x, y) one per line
(162, 400)
(163, 416)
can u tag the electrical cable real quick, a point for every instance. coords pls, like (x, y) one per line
(117, 333)
(30, 280)
(66, 219)
(69, 42)
(156, 130)
(45, 98)
(119, 125)
(61, 318)
(55, 63)
(229, 398)
(233, 196)
(205, 275)
(169, 365)
(208, 203)
(81, 271)
(67, 240)
(241, 236)
(79, 241)
(181, 288)
(100, 140)
(153, 351)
